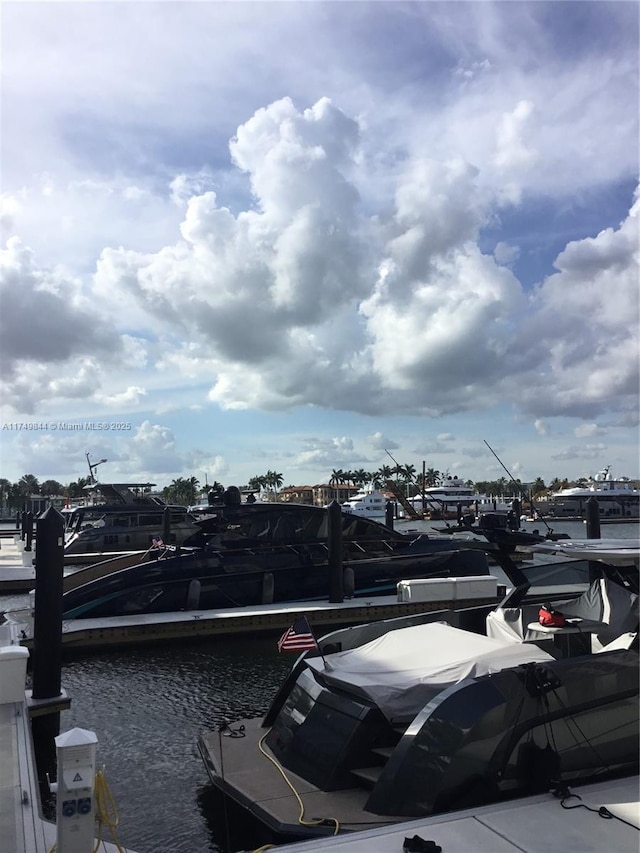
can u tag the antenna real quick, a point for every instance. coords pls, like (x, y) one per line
(92, 468)
(515, 481)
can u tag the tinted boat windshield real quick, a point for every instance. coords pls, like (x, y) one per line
(292, 523)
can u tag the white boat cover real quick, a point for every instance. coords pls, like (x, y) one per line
(615, 552)
(404, 669)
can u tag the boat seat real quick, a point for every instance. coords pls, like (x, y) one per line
(606, 610)
(624, 641)
(510, 624)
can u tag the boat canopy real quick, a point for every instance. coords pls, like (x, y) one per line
(403, 670)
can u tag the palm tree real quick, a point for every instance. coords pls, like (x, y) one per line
(337, 477)
(383, 474)
(4, 491)
(409, 471)
(191, 490)
(538, 487)
(50, 488)
(274, 480)
(361, 477)
(76, 490)
(29, 485)
(432, 477)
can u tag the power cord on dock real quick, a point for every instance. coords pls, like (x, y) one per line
(106, 811)
(301, 820)
(106, 814)
(563, 793)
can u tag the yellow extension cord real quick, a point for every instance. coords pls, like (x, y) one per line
(106, 814)
(107, 811)
(301, 819)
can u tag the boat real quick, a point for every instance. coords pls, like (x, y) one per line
(502, 528)
(267, 553)
(426, 715)
(124, 517)
(367, 503)
(617, 498)
(245, 554)
(452, 496)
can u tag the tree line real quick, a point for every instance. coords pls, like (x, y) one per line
(187, 490)
(13, 495)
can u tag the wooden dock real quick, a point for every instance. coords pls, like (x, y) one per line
(17, 571)
(22, 827)
(225, 622)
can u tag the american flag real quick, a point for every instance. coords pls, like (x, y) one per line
(297, 638)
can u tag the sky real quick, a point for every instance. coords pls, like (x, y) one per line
(302, 236)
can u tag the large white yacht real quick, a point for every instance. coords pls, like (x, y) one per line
(452, 493)
(367, 503)
(617, 498)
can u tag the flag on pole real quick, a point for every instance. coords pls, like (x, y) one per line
(298, 638)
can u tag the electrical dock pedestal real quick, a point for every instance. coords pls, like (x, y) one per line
(22, 827)
(30, 719)
(75, 791)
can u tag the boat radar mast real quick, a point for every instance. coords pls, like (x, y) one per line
(92, 468)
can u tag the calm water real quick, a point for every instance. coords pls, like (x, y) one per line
(148, 707)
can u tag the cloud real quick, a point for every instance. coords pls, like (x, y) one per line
(306, 299)
(589, 430)
(380, 441)
(586, 451)
(541, 427)
(584, 323)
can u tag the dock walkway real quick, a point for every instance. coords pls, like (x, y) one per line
(17, 571)
(526, 825)
(22, 827)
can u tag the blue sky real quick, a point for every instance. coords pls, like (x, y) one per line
(292, 236)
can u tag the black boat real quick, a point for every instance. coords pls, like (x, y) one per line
(426, 714)
(502, 528)
(262, 553)
(124, 517)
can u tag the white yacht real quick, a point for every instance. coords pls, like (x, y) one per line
(367, 503)
(451, 493)
(617, 498)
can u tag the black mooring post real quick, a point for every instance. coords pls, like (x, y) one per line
(28, 531)
(388, 514)
(47, 618)
(516, 506)
(18, 519)
(166, 526)
(593, 518)
(593, 532)
(334, 543)
(23, 522)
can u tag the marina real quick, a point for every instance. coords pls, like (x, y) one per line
(207, 683)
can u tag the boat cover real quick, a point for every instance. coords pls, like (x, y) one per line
(404, 669)
(615, 552)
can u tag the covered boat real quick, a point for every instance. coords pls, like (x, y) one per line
(426, 714)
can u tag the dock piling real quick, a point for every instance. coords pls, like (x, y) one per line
(334, 537)
(47, 623)
(592, 517)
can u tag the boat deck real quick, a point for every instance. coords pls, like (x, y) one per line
(266, 793)
(507, 827)
(536, 824)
